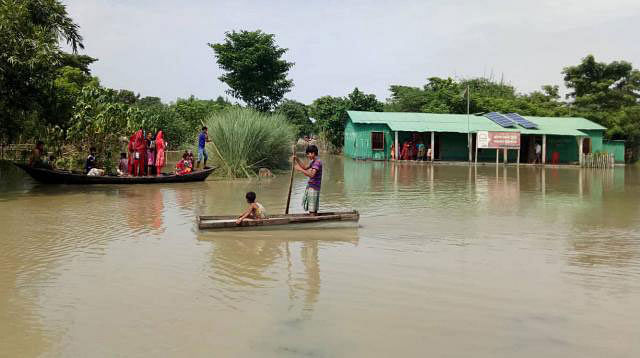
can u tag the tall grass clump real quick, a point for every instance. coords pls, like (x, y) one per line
(244, 140)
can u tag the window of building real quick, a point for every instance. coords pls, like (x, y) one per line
(377, 141)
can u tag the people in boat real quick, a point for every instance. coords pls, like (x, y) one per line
(123, 165)
(91, 161)
(203, 138)
(150, 155)
(160, 145)
(50, 162)
(35, 160)
(139, 153)
(184, 166)
(191, 159)
(254, 211)
(313, 170)
(131, 149)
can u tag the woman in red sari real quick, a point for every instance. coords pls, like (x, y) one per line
(160, 144)
(139, 154)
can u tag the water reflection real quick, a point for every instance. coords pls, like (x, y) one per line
(245, 262)
(524, 254)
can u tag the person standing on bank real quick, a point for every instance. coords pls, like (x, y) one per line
(203, 138)
(313, 169)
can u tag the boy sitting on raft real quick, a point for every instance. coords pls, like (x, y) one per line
(254, 211)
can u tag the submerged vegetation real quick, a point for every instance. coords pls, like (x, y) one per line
(243, 140)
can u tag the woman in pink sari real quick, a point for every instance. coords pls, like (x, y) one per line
(160, 144)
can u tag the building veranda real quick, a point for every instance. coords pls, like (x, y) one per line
(454, 137)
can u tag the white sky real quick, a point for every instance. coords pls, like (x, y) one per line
(159, 47)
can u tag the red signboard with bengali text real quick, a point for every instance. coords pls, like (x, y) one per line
(497, 140)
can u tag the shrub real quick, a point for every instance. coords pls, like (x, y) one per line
(243, 140)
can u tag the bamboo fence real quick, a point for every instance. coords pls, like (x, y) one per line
(601, 160)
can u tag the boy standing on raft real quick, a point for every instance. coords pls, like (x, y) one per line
(313, 169)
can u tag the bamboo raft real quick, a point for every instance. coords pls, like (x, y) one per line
(229, 222)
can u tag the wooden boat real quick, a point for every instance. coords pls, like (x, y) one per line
(229, 222)
(49, 176)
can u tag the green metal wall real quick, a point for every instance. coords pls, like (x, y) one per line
(596, 140)
(357, 141)
(453, 146)
(616, 147)
(566, 146)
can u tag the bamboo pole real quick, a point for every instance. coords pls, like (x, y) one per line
(293, 164)
(476, 158)
(544, 149)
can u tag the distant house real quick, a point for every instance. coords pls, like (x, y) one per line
(371, 135)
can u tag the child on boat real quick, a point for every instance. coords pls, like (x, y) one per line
(123, 165)
(254, 211)
(184, 166)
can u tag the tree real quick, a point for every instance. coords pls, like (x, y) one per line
(81, 62)
(67, 86)
(298, 115)
(101, 119)
(30, 31)
(255, 70)
(609, 94)
(602, 86)
(331, 115)
(441, 95)
(146, 102)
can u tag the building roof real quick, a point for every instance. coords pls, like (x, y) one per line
(462, 123)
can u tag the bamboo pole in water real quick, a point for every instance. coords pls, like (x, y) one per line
(293, 163)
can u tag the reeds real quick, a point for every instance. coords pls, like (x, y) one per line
(244, 140)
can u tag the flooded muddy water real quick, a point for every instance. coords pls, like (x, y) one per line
(448, 261)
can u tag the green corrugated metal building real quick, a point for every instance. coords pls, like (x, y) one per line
(370, 135)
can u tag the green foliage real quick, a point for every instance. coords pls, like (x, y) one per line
(244, 140)
(331, 116)
(255, 70)
(602, 86)
(607, 93)
(101, 120)
(298, 115)
(30, 31)
(81, 62)
(449, 96)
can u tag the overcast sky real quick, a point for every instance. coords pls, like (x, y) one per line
(159, 47)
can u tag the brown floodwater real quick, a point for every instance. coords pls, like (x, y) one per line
(448, 261)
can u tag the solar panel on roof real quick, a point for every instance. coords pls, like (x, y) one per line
(500, 119)
(521, 121)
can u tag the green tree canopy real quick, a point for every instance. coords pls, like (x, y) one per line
(607, 93)
(254, 69)
(298, 115)
(30, 31)
(602, 86)
(331, 115)
(441, 95)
